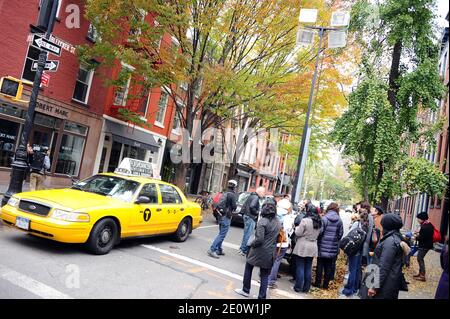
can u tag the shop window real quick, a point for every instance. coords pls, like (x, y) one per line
(69, 156)
(170, 195)
(162, 106)
(9, 132)
(12, 111)
(253, 181)
(114, 157)
(261, 181)
(270, 185)
(83, 84)
(32, 56)
(75, 128)
(133, 152)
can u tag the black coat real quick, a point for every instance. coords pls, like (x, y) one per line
(262, 249)
(388, 257)
(251, 206)
(425, 237)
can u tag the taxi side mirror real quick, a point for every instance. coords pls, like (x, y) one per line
(142, 200)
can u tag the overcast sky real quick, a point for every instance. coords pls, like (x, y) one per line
(442, 12)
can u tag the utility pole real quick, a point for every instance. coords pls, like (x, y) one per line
(20, 164)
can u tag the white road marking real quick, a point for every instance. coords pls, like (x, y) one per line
(207, 226)
(219, 270)
(225, 244)
(33, 286)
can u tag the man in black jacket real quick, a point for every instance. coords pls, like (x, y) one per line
(425, 240)
(250, 212)
(230, 206)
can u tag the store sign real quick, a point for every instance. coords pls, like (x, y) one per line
(130, 166)
(52, 110)
(45, 79)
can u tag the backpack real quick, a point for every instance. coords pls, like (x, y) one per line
(37, 162)
(221, 205)
(353, 242)
(436, 235)
(216, 199)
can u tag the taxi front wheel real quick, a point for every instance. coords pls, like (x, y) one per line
(184, 229)
(103, 237)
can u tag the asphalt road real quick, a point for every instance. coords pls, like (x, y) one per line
(31, 267)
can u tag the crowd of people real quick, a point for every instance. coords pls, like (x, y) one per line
(375, 250)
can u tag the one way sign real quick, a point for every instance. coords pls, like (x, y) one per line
(51, 66)
(46, 45)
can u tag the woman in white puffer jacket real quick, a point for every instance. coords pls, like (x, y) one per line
(284, 213)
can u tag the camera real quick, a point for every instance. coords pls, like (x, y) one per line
(39, 148)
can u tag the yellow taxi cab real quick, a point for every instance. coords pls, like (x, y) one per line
(104, 208)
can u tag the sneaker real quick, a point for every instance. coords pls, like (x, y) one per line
(278, 276)
(272, 286)
(242, 293)
(293, 288)
(221, 253)
(240, 252)
(292, 280)
(212, 254)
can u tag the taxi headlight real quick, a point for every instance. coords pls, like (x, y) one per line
(13, 201)
(70, 216)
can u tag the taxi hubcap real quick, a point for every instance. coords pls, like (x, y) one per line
(184, 229)
(105, 236)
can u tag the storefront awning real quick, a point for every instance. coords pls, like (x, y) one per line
(133, 137)
(243, 173)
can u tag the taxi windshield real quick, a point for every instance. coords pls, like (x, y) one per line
(111, 186)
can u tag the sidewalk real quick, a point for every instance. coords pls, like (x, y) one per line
(4, 188)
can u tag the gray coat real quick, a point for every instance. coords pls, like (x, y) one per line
(263, 247)
(368, 236)
(306, 245)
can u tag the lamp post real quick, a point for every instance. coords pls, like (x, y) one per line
(20, 164)
(339, 19)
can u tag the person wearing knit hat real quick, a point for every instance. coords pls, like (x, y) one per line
(389, 258)
(425, 242)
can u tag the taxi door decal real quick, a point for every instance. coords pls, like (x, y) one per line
(147, 214)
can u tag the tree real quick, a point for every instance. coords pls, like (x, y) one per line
(382, 119)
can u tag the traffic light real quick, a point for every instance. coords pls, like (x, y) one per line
(45, 11)
(11, 87)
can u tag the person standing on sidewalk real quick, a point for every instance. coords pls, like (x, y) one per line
(284, 213)
(442, 289)
(40, 163)
(306, 248)
(388, 259)
(226, 206)
(250, 212)
(330, 234)
(261, 253)
(425, 240)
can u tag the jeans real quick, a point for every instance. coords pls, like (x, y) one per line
(249, 228)
(421, 260)
(264, 276)
(303, 273)
(324, 265)
(353, 282)
(224, 226)
(276, 265)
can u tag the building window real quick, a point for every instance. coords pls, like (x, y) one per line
(133, 152)
(162, 106)
(69, 155)
(92, 33)
(9, 132)
(32, 56)
(83, 84)
(271, 185)
(253, 181)
(176, 123)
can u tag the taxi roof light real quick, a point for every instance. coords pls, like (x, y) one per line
(134, 167)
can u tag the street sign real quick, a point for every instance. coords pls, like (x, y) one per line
(46, 45)
(45, 79)
(51, 66)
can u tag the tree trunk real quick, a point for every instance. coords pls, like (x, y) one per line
(394, 73)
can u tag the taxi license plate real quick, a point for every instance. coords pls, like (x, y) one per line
(23, 223)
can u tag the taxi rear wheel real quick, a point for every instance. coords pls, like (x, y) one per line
(184, 229)
(103, 237)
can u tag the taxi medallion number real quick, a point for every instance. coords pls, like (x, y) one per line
(23, 223)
